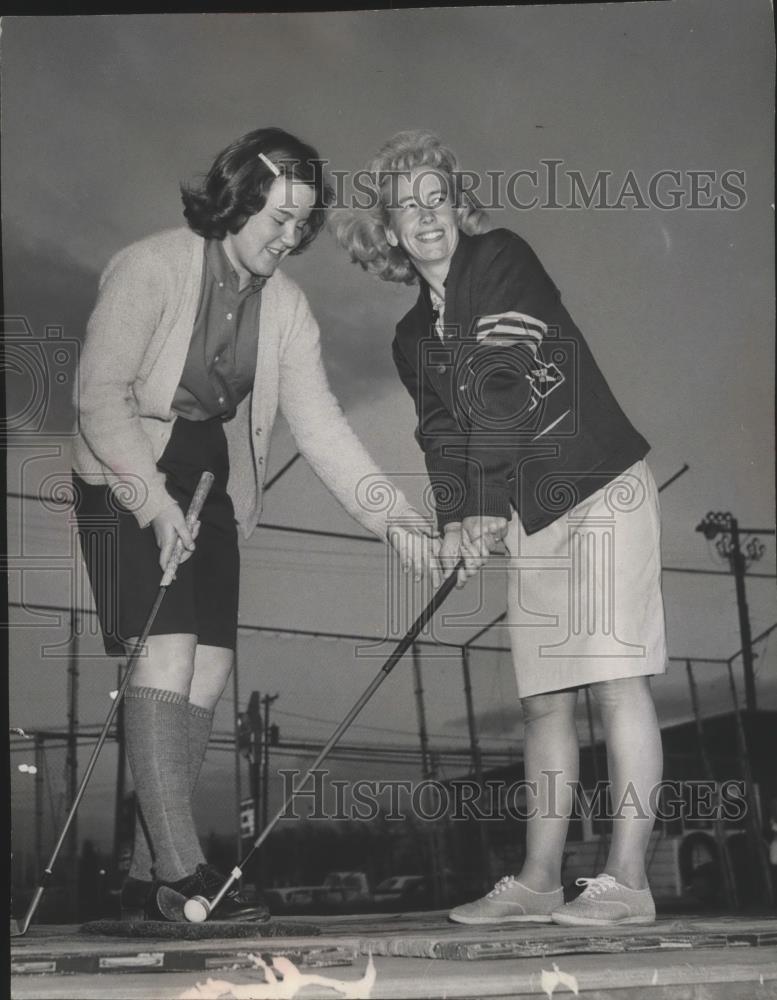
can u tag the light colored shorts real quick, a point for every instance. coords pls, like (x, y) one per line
(584, 594)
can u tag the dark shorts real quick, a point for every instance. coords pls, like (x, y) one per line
(122, 559)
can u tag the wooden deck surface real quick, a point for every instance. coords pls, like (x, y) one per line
(410, 956)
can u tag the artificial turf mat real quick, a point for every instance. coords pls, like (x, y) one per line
(184, 931)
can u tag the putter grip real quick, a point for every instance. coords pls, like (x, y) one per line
(200, 495)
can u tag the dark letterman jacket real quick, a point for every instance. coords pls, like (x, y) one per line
(512, 408)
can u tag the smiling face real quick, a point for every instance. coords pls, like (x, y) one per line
(269, 235)
(422, 220)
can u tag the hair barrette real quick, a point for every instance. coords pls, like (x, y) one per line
(269, 164)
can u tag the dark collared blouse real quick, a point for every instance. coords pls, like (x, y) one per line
(221, 362)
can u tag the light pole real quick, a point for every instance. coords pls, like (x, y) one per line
(726, 526)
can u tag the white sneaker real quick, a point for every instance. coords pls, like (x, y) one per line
(510, 901)
(605, 902)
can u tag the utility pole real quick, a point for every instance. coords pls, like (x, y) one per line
(726, 526)
(757, 843)
(119, 816)
(39, 765)
(477, 764)
(266, 702)
(428, 771)
(729, 545)
(474, 745)
(726, 868)
(254, 755)
(420, 711)
(72, 757)
(238, 744)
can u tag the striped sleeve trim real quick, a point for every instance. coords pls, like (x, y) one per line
(510, 328)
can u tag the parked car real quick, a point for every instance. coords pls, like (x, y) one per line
(344, 889)
(403, 892)
(290, 898)
(416, 892)
(339, 892)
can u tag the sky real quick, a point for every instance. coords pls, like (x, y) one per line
(103, 117)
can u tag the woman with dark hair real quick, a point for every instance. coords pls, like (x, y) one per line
(195, 341)
(232, 191)
(524, 441)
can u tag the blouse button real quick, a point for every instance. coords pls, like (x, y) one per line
(221, 400)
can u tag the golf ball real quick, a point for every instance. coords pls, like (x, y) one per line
(195, 910)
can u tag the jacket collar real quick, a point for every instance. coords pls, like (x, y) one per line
(418, 321)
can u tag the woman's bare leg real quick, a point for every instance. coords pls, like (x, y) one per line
(635, 764)
(552, 765)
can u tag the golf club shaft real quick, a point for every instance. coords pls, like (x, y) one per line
(402, 647)
(197, 501)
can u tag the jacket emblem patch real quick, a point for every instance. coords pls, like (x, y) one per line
(543, 381)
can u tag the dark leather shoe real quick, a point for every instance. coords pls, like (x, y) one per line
(207, 881)
(138, 900)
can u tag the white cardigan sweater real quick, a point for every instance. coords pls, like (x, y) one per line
(133, 356)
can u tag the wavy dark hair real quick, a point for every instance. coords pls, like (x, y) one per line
(236, 186)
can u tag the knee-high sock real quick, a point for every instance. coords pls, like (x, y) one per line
(157, 725)
(200, 726)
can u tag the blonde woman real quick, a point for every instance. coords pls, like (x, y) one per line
(524, 440)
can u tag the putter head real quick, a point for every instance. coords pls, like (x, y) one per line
(20, 927)
(171, 904)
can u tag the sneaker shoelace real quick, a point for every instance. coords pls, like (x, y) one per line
(504, 883)
(596, 886)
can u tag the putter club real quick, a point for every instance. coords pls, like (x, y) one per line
(19, 927)
(174, 905)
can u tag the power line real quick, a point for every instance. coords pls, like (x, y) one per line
(320, 533)
(285, 468)
(372, 539)
(758, 638)
(717, 572)
(359, 751)
(377, 729)
(309, 633)
(353, 637)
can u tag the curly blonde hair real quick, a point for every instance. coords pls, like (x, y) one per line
(362, 232)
